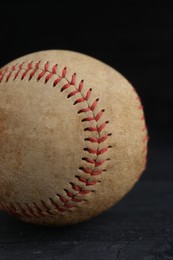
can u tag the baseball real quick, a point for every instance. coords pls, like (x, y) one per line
(73, 138)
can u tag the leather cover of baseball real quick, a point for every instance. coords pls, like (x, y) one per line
(73, 138)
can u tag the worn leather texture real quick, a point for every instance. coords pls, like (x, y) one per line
(71, 145)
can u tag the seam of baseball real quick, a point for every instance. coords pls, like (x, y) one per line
(35, 210)
(144, 127)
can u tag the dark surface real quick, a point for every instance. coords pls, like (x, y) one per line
(136, 38)
(140, 227)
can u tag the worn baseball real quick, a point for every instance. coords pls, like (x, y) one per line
(73, 138)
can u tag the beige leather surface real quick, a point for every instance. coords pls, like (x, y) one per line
(51, 148)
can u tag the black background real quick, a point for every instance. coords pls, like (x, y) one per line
(136, 38)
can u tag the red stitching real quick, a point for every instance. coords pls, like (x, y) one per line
(91, 172)
(97, 152)
(31, 210)
(93, 106)
(54, 69)
(95, 118)
(25, 72)
(13, 210)
(41, 75)
(39, 210)
(84, 98)
(3, 74)
(79, 189)
(37, 66)
(145, 138)
(33, 68)
(56, 205)
(73, 196)
(57, 81)
(144, 129)
(24, 212)
(30, 71)
(97, 140)
(87, 182)
(64, 72)
(95, 162)
(73, 79)
(96, 129)
(140, 106)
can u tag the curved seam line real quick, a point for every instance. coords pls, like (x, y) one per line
(98, 133)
